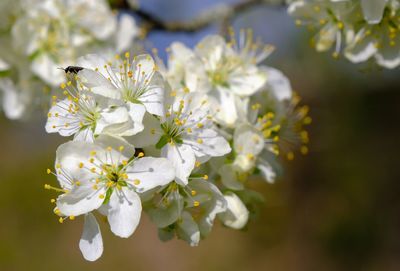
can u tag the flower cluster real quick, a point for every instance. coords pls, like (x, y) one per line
(177, 141)
(38, 37)
(361, 30)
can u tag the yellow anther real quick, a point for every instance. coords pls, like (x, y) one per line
(77, 183)
(57, 211)
(91, 160)
(197, 164)
(95, 187)
(101, 196)
(196, 203)
(270, 115)
(298, 22)
(250, 156)
(49, 115)
(173, 93)
(276, 138)
(93, 169)
(124, 162)
(48, 171)
(97, 180)
(71, 217)
(200, 141)
(152, 131)
(52, 200)
(110, 183)
(200, 125)
(93, 153)
(290, 156)
(130, 74)
(136, 182)
(109, 148)
(186, 90)
(256, 106)
(205, 177)
(141, 154)
(121, 148)
(189, 130)
(193, 192)
(69, 83)
(307, 120)
(63, 86)
(80, 165)
(47, 186)
(61, 220)
(340, 25)
(304, 150)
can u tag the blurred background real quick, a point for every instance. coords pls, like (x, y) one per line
(338, 208)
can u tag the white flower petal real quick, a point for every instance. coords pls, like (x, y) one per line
(236, 215)
(212, 144)
(151, 172)
(91, 243)
(124, 212)
(373, 10)
(81, 199)
(127, 31)
(188, 230)
(278, 84)
(183, 160)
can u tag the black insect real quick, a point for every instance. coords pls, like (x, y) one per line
(72, 69)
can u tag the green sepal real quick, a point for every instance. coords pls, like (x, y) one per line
(162, 142)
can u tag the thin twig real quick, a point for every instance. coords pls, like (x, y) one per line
(220, 13)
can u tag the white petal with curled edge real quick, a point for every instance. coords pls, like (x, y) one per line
(267, 172)
(136, 112)
(188, 230)
(362, 48)
(91, 243)
(183, 160)
(124, 212)
(236, 215)
(150, 172)
(373, 10)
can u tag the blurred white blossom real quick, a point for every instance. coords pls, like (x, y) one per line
(46, 35)
(361, 30)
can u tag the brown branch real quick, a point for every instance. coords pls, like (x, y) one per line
(221, 13)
